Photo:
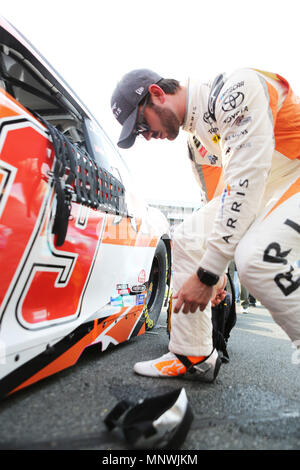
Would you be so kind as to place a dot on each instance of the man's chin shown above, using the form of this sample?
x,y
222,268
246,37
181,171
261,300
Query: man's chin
x,y
172,136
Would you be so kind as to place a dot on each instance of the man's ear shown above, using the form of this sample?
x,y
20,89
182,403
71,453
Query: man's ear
x,y
157,93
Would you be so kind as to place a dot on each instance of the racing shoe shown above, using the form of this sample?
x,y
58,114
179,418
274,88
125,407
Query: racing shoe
x,y
204,368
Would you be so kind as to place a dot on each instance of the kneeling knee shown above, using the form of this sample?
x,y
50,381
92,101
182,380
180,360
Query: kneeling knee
x,y
246,264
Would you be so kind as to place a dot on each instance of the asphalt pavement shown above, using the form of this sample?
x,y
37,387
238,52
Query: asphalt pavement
x,y
254,404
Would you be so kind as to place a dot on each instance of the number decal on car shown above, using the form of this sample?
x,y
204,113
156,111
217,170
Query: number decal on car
x,y
44,283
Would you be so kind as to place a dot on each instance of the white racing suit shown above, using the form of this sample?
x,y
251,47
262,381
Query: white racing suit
x,y
250,122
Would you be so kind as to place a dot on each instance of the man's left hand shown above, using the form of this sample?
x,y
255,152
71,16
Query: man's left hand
x,y
192,295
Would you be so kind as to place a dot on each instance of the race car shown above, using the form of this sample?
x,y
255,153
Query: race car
x,y
84,260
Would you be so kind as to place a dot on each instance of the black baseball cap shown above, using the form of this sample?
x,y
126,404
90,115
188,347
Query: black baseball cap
x,y
128,94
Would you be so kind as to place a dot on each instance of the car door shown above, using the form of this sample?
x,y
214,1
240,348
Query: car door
x,y
129,241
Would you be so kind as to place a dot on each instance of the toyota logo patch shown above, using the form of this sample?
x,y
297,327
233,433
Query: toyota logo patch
x,y
233,101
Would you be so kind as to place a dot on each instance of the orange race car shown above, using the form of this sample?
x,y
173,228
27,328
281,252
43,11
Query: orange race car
x,y
83,259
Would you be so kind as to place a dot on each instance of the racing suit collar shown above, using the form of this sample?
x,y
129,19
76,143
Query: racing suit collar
x,y
196,103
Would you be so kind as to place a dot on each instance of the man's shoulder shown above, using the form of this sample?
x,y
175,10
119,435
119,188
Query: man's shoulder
x,y
239,85
245,74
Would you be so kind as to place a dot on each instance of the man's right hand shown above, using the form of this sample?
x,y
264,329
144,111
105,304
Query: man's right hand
x,y
219,292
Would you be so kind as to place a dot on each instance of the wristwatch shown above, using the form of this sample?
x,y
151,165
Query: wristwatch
x,y
208,278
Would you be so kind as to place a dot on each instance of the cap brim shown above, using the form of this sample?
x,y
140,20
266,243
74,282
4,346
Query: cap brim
x,y
127,138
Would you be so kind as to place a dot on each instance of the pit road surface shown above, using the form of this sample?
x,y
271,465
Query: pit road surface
x,y
253,404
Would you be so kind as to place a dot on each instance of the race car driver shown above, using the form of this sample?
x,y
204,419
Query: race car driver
x,y
249,120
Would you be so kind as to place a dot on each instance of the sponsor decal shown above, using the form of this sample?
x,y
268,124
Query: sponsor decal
x,y
232,101
236,134
213,130
233,116
122,286
196,141
116,301
242,120
142,276
123,291
140,299
208,119
202,150
192,119
213,159
242,146
139,288
235,206
215,138
128,300
231,89
226,192
273,253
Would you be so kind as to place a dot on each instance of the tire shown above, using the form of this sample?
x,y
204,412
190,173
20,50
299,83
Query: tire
x,y
156,286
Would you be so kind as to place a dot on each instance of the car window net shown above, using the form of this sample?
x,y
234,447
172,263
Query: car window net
x,y
77,177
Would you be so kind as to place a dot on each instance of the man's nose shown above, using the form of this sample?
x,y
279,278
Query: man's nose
x,y
148,135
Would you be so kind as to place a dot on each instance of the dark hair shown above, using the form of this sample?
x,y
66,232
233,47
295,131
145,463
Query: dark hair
x,y
168,85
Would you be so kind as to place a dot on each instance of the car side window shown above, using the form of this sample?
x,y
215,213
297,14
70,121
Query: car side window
x,y
26,84
104,152
107,157
22,84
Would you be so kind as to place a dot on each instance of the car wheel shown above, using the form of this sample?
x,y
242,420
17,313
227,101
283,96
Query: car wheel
x,y
156,286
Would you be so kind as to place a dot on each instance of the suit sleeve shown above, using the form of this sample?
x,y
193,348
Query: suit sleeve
x,y
246,126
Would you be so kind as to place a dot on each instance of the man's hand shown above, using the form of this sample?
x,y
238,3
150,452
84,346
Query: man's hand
x,y
193,294
219,292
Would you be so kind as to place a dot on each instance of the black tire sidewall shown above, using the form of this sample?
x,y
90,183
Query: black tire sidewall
x,y
155,309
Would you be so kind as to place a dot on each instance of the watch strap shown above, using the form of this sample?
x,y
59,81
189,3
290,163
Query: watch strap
x,y
208,278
